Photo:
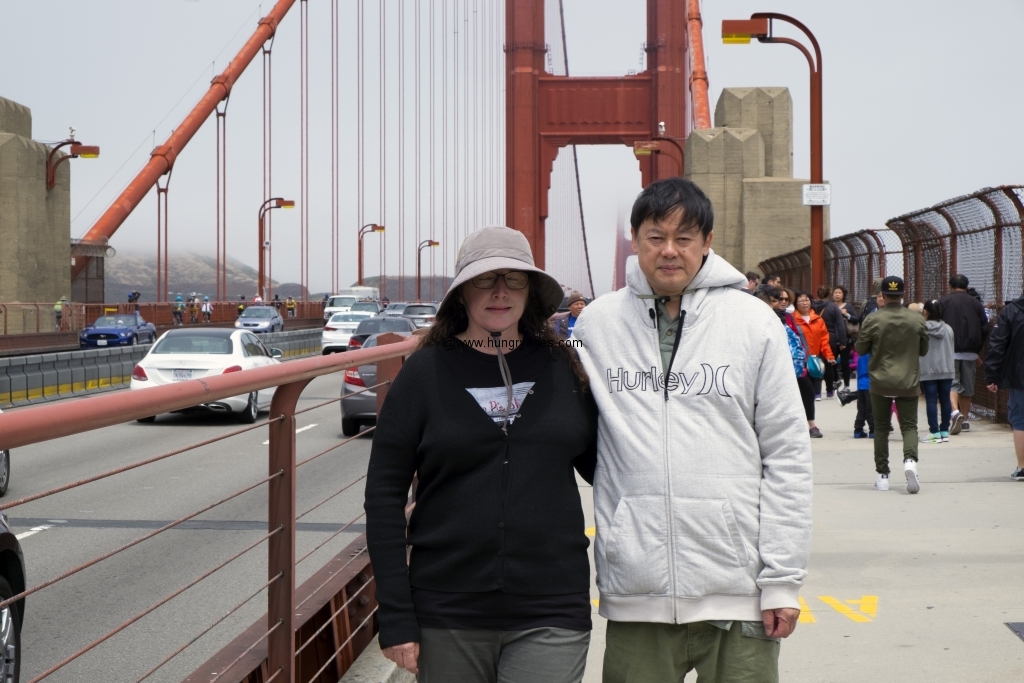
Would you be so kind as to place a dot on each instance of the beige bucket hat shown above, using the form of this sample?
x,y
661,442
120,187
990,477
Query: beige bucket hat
x,y
499,248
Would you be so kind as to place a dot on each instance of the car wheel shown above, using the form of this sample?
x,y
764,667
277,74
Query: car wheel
x,y
251,412
349,426
5,473
147,420
10,637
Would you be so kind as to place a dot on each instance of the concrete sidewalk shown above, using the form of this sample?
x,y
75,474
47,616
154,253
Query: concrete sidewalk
x,y
901,587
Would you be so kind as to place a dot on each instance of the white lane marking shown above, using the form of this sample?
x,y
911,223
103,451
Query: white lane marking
x,y
300,429
33,531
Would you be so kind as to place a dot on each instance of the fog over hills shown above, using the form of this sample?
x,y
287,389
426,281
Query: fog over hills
x,y
195,272
189,272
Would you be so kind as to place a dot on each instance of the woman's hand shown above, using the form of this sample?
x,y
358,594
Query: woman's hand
x,y
405,656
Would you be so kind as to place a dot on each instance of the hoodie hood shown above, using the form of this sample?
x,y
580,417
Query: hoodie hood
x,y
715,272
934,328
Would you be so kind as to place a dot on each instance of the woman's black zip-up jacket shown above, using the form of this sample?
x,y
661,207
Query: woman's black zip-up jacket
x,y
493,512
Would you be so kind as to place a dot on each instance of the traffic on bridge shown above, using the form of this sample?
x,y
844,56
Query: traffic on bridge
x,y
441,360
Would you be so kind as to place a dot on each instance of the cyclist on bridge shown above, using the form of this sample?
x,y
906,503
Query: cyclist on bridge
x,y
178,310
289,304
207,309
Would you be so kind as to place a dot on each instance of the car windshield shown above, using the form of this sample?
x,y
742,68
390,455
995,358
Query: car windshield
x,y
114,321
419,310
365,306
340,301
194,343
396,307
347,318
258,312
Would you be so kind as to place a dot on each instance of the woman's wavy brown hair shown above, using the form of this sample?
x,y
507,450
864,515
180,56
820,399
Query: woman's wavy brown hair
x,y
452,320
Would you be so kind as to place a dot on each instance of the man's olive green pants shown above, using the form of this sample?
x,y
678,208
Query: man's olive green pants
x,y
637,652
906,411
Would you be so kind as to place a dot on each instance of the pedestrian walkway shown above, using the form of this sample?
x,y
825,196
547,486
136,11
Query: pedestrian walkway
x,y
901,587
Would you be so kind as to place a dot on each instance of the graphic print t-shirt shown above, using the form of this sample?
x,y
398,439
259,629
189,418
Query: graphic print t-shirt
x,y
479,374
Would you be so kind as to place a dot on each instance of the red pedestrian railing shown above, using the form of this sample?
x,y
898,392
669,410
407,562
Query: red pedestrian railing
x,y
340,587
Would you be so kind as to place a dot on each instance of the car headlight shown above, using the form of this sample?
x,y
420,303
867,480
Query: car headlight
x,y
124,334
238,323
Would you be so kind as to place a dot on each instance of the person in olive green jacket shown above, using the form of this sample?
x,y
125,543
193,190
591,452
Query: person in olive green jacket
x,y
896,338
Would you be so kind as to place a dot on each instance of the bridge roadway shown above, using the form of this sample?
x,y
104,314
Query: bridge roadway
x,y
106,514
911,588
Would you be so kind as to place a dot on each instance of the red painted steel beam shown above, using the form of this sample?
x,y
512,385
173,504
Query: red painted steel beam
x,y
698,71
53,421
162,158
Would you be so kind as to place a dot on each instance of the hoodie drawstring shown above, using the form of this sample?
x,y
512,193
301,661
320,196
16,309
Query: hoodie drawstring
x,y
506,377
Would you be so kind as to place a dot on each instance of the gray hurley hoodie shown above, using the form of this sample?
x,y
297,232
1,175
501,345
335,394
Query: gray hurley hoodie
x,y
703,486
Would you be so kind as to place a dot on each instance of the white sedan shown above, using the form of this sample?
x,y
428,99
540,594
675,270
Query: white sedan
x,y
339,330
183,354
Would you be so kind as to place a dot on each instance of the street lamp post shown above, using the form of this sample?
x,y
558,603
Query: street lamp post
x,y
77,150
760,26
419,257
369,227
274,203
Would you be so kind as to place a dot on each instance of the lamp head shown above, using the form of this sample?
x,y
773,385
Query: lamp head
x,y
286,203
740,31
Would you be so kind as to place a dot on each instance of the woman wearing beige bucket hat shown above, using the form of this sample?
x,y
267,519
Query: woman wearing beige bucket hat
x,y
493,414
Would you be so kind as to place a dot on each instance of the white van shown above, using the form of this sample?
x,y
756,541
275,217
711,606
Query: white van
x,y
343,300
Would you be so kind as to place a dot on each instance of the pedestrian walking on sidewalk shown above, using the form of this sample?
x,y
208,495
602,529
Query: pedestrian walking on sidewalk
x,y
779,300
816,336
702,458
1004,369
895,338
966,315
937,373
492,414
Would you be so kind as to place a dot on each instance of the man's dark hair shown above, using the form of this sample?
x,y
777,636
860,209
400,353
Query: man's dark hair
x,y
959,281
665,197
752,276
773,292
769,277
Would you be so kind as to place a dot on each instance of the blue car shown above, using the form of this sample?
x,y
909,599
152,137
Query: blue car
x,y
117,330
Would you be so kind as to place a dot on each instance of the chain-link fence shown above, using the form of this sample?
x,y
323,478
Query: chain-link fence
x,y
977,235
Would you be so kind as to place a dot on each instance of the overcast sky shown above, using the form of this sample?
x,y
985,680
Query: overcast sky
x,y
921,104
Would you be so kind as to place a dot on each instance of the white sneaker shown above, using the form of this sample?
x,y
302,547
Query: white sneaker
x,y
882,482
910,469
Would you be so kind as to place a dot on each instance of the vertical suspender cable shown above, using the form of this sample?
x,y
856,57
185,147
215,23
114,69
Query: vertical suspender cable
x,y
360,115
455,126
303,145
465,102
476,118
222,194
575,159
444,136
334,146
383,142
417,121
401,150
431,132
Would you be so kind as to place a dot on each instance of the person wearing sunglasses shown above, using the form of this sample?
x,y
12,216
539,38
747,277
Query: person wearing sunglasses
x,y
492,415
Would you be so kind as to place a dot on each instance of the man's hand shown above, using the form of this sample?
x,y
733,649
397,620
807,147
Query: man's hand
x,y
780,623
994,388
407,655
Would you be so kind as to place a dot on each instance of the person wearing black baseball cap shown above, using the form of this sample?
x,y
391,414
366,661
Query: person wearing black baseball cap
x,y
895,337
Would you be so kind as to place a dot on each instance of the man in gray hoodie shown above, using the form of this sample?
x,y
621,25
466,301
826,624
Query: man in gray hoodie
x,y
703,486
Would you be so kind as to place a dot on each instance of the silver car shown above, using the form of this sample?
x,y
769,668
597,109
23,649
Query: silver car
x,y
361,408
394,309
422,315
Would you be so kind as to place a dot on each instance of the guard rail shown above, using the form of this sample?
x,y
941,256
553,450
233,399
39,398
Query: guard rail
x,y
294,631
51,376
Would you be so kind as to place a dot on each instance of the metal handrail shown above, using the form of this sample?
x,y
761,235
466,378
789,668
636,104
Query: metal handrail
x,y
46,422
